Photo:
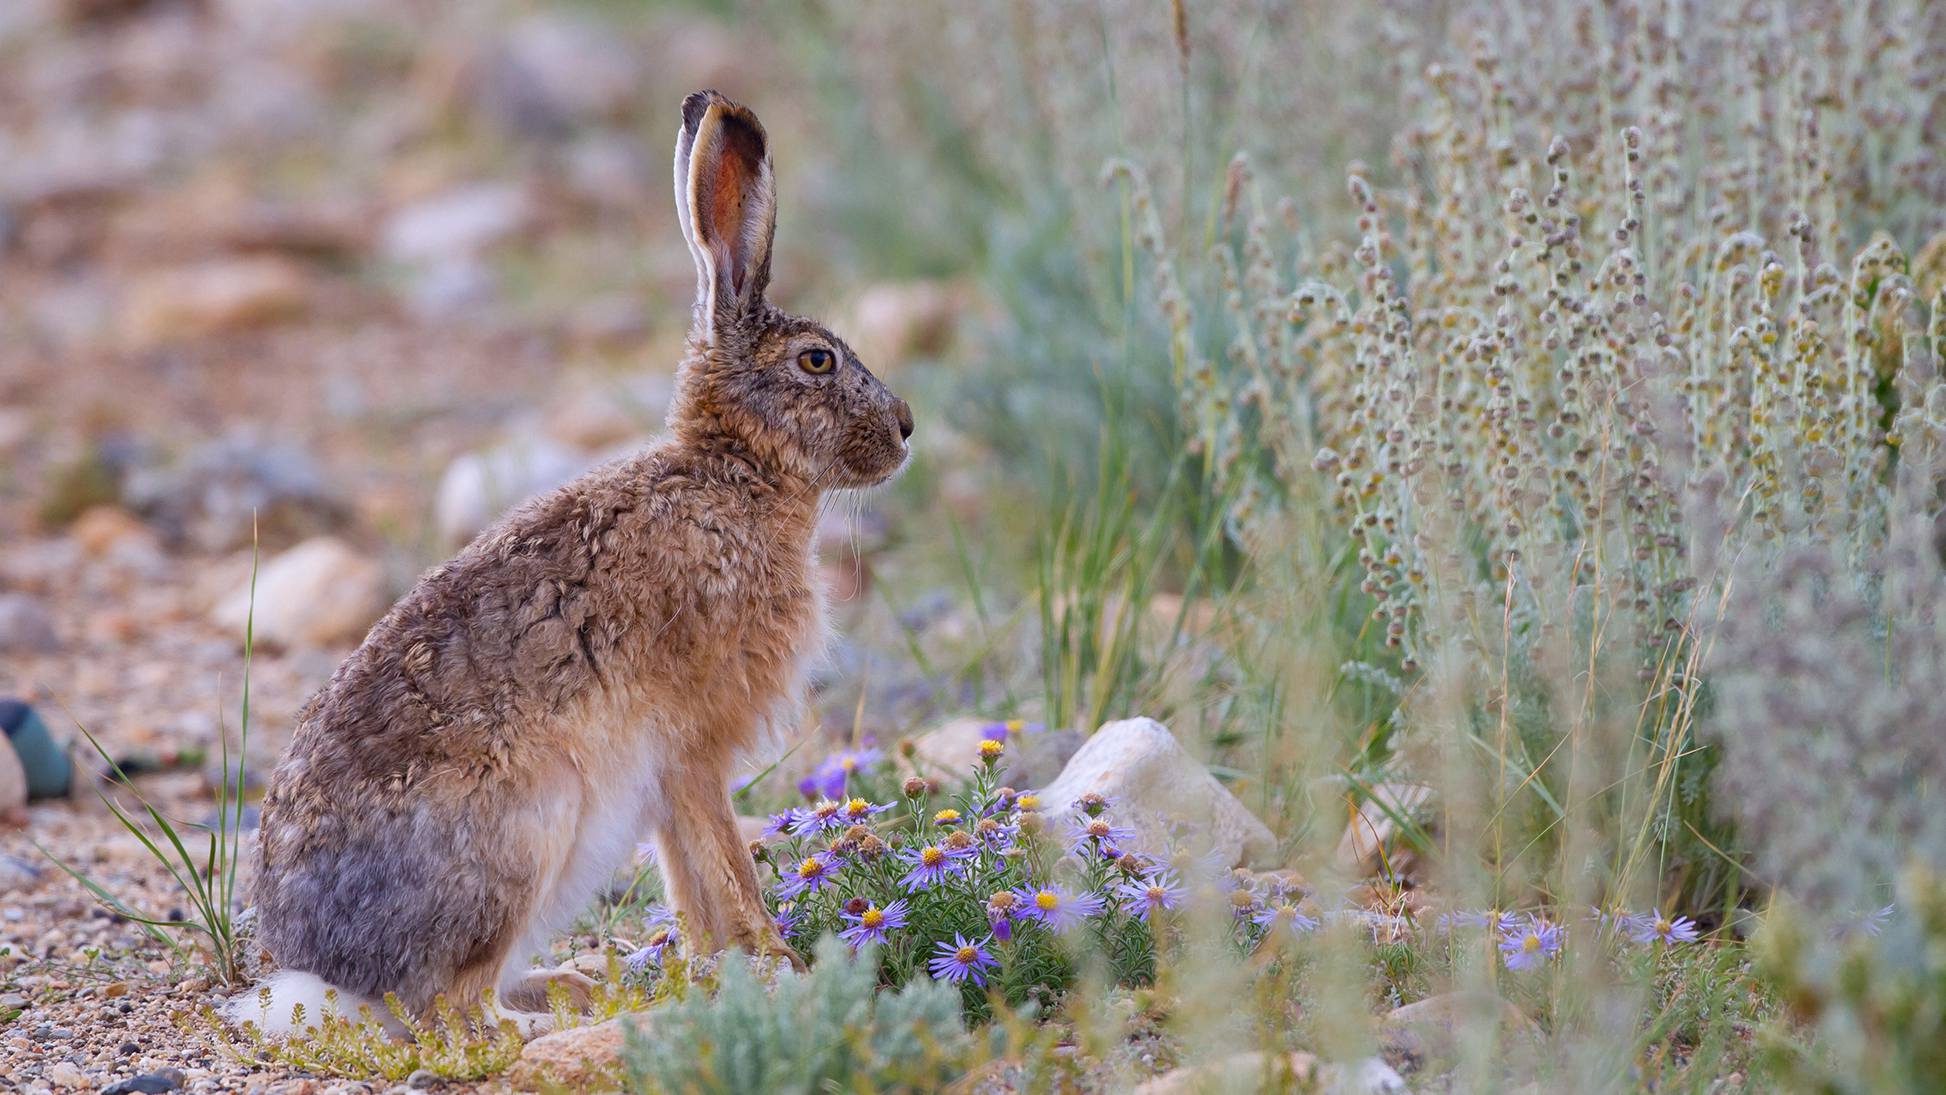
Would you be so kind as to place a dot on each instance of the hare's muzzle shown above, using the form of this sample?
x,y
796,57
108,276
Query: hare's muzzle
x,y
903,412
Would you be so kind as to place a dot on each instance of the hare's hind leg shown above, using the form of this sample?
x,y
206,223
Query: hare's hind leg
x,y
471,985
529,991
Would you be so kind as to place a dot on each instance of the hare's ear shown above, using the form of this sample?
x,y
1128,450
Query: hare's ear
x,y
727,204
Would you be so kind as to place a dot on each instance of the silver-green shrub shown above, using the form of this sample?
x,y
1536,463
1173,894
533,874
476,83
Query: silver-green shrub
x,y
806,1032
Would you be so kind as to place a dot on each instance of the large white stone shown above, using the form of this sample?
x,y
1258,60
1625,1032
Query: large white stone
x,y
1155,786
321,592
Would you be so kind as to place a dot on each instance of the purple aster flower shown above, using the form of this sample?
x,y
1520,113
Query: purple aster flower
x,y
1002,731
1658,929
1097,835
833,775
857,810
961,959
872,925
1871,924
786,919
778,825
660,940
821,815
658,916
1158,890
1526,945
1874,923
809,876
1283,914
1055,907
1002,908
996,834
932,864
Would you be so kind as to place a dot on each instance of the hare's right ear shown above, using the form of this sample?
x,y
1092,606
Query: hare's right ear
x,y
727,204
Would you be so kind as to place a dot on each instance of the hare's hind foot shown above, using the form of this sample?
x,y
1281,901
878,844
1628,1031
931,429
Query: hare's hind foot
x,y
530,990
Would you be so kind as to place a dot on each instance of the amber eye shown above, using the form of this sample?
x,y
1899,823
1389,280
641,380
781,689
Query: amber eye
x,y
817,362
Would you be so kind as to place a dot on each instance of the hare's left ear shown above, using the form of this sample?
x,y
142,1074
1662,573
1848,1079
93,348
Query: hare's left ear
x,y
727,204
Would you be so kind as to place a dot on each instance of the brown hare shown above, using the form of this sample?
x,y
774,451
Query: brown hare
x,y
588,670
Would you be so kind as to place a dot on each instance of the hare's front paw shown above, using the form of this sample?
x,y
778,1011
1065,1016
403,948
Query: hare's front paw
x,y
783,952
763,941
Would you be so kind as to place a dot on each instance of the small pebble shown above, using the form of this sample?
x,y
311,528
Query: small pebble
x,y
66,1074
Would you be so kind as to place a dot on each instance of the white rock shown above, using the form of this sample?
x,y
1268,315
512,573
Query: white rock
x,y
321,592
456,225
480,486
67,1074
1156,788
13,790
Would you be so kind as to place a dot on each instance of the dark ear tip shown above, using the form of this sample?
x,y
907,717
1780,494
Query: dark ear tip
x,y
695,104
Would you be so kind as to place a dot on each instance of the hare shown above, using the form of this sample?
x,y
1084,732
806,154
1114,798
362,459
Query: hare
x,y
590,668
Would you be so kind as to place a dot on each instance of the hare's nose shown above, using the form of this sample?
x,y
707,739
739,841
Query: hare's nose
x,y
904,413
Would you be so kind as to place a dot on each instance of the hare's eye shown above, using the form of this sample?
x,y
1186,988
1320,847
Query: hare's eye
x,y
817,362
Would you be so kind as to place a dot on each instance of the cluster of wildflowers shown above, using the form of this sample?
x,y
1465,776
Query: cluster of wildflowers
x,y
984,886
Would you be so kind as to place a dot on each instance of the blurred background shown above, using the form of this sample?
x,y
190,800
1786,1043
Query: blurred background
x,y
1389,397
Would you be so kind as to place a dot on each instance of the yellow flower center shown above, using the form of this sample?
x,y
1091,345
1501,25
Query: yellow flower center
x,y
946,817
1029,802
873,917
826,809
992,748
1531,943
1098,828
1047,900
1663,927
1157,893
1015,726
1002,900
858,806
810,868
660,937
966,955
932,856
848,763
1241,899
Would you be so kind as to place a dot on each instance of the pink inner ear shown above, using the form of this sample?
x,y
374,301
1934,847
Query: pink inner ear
x,y
726,220
738,155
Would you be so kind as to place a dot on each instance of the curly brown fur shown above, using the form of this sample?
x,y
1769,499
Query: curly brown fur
x,y
592,667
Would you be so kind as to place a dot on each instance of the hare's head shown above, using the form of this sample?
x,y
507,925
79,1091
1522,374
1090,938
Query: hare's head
x,y
780,387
